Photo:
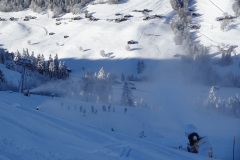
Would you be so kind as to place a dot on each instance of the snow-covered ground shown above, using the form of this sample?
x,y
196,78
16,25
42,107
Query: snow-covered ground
x,y
92,36
58,130
210,33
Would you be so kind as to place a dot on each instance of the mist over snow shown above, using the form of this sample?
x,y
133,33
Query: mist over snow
x,y
119,79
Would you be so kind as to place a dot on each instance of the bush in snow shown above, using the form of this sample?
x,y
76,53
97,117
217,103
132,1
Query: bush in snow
x,y
128,48
102,53
29,42
224,24
80,49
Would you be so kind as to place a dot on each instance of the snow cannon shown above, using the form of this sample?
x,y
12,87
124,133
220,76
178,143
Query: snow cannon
x,y
197,144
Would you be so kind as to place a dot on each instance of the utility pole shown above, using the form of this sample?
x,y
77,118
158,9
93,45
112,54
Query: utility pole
x,y
22,80
24,62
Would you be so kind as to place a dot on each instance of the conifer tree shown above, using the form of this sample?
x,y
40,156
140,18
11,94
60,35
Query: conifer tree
x,y
126,97
2,81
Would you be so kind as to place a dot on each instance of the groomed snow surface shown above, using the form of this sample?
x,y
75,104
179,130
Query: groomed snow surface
x,y
60,131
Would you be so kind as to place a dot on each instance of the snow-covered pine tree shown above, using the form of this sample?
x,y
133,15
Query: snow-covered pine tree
x,y
33,62
101,74
56,66
140,66
212,99
51,69
102,86
123,77
62,72
87,82
2,81
126,97
48,63
41,64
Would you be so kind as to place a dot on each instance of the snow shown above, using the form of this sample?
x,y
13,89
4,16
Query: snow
x,y
12,77
93,36
54,132
59,131
210,33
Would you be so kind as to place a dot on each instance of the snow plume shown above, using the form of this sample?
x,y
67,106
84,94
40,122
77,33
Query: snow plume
x,y
67,87
90,87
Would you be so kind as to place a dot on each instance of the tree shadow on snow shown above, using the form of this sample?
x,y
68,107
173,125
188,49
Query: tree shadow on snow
x,y
215,54
135,49
123,1
85,50
35,43
169,17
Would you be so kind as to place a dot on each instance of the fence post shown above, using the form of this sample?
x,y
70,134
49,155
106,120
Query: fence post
x,y
233,146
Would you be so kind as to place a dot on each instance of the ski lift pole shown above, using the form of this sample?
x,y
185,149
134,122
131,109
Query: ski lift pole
x,y
22,80
233,146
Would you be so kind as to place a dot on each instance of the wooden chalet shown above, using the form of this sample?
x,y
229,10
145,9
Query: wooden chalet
x,y
93,19
152,17
118,14
76,18
132,42
28,17
127,16
12,19
229,17
118,20
2,19
195,27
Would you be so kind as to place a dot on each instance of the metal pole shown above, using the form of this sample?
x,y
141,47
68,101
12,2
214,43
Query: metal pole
x,y
233,146
21,83
23,78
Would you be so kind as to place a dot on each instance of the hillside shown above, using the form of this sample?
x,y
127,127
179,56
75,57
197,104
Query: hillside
x,y
171,93
94,36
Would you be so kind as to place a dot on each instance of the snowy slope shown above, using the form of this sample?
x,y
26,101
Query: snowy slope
x,y
60,131
54,132
210,33
94,36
